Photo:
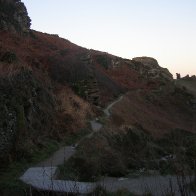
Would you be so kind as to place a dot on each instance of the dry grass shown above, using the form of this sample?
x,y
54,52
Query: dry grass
x,y
157,119
10,70
74,107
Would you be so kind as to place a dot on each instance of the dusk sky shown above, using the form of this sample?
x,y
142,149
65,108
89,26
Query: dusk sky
x,y
162,29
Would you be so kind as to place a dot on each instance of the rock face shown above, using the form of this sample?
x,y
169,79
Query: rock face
x,y
26,108
148,62
149,68
14,16
188,83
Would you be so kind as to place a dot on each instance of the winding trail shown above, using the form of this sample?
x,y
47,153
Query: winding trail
x,y
45,179
64,153
107,110
44,176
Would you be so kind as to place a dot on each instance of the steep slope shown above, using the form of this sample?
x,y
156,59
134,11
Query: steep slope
x,y
64,83
158,112
63,61
27,114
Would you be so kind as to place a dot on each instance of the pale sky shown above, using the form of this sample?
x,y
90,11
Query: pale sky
x,y
162,29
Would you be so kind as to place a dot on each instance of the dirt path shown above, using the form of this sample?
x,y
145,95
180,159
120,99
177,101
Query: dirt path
x,y
64,153
107,110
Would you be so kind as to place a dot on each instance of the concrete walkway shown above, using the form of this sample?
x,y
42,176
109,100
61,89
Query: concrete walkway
x,y
59,157
44,178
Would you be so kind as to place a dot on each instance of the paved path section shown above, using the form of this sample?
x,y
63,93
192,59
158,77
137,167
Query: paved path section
x,y
96,126
157,185
59,157
45,179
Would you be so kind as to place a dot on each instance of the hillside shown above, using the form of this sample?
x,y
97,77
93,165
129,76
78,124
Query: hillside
x,y
50,88
95,79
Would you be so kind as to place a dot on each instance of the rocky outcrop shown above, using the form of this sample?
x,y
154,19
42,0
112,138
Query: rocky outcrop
x,y
148,62
150,69
27,114
14,16
188,83
92,88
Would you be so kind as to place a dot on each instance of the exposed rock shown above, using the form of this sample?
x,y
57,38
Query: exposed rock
x,y
14,16
148,62
150,69
92,88
27,114
187,83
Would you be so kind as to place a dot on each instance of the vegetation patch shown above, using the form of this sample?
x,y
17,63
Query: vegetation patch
x,y
9,174
116,155
72,138
103,60
80,88
8,57
64,52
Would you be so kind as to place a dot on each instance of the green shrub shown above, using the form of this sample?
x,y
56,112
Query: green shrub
x,y
103,60
8,57
80,88
64,52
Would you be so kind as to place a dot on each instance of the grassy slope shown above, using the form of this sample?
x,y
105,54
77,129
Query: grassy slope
x,y
158,114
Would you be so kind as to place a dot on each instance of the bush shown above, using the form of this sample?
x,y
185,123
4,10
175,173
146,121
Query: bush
x,y
64,52
8,57
103,60
90,163
80,88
